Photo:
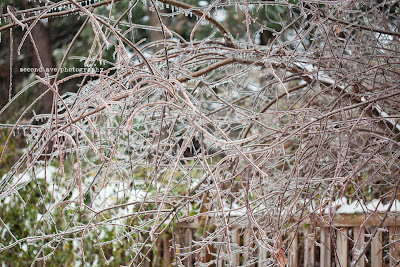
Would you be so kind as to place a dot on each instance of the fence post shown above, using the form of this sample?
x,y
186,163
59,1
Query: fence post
x,y
167,257
309,247
293,252
248,243
376,249
394,232
326,247
359,233
262,256
155,261
189,240
220,253
342,247
236,240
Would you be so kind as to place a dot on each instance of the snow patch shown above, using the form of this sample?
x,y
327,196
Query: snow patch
x,y
202,3
343,207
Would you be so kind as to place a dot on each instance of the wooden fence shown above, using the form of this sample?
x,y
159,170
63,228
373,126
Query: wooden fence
x,y
315,242
344,239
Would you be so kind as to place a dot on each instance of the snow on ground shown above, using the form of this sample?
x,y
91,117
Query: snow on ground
x,y
115,191
112,194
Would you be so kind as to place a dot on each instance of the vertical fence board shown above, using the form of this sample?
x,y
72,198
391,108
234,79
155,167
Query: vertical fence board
x,y
167,255
376,250
189,237
248,256
359,233
293,252
309,248
394,232
326,247
157,257
245,245
220,252
262,253
147,262
342,248
236,241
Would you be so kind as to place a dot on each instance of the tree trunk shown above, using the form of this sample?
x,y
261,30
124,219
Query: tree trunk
x,y
41,37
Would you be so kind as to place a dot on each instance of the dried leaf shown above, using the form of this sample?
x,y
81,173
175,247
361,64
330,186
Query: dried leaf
x,y
280,257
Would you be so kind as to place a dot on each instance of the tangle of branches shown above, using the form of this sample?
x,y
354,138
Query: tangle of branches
x,y
222,130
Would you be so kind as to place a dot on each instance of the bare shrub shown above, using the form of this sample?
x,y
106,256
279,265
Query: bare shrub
x,y
221,130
